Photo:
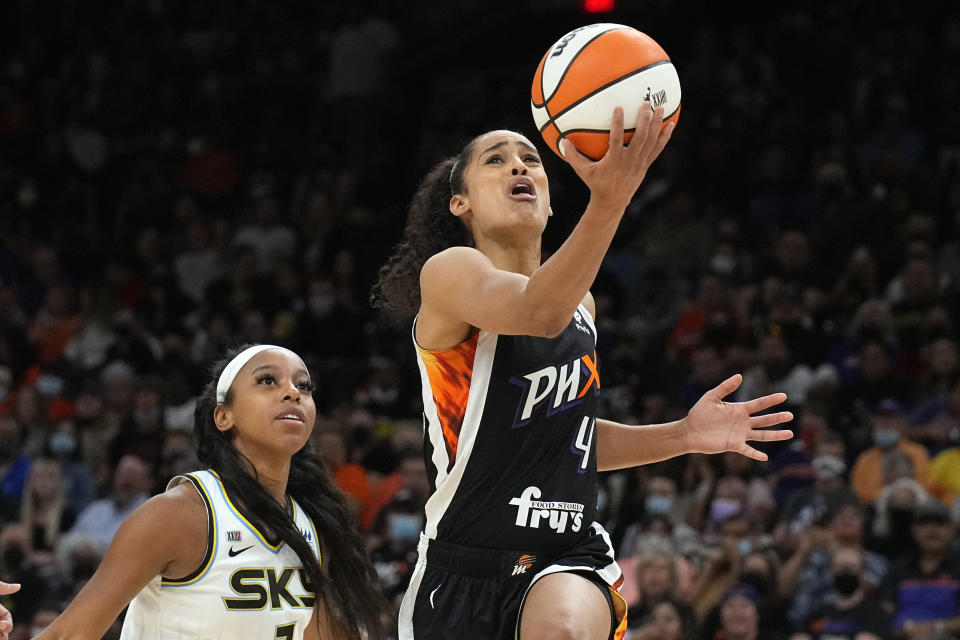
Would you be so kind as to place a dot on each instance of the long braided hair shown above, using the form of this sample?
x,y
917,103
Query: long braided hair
x,y
349,589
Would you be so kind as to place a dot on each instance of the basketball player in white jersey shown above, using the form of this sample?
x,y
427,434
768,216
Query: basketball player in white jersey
x,y
506,348
259,545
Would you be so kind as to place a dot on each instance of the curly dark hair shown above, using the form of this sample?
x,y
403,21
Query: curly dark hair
x,y
430,229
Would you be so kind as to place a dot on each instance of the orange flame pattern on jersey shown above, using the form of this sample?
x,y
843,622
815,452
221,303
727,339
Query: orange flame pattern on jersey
x,y
450,371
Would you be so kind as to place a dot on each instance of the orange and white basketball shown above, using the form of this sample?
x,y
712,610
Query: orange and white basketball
x,y
588,72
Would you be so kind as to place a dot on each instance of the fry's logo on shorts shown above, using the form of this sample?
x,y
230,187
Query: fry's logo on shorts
x,y
564,387
530,512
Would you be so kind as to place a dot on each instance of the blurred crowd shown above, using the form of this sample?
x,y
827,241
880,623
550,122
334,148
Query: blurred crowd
x,y
179,177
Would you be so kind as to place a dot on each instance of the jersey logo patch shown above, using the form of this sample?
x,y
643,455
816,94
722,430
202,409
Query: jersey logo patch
x,y
564,386
232,553
557,514
233,536
524,562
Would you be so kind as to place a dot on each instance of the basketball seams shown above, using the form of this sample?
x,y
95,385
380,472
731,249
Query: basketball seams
x,y
594,92
566,69
666,117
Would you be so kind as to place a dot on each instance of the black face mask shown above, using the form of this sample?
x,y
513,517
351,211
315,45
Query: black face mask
x,y
13,557
900,520
846,583
757,580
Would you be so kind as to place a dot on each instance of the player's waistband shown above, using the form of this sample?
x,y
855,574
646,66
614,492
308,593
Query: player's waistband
x,y
482,562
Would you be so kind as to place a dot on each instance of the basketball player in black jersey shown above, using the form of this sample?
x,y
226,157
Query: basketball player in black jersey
x,y
506,351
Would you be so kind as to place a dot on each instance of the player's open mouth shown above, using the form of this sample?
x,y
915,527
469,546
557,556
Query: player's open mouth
x,y
291,415
522,188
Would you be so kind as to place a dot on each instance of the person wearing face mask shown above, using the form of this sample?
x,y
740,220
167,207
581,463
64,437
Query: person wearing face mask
x,y
889,423
810,588
398,526
659,508
848,614
63,446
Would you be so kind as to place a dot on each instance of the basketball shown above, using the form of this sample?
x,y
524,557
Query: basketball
x,y
591,70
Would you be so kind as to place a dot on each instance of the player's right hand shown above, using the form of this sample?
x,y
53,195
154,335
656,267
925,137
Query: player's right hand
x,y
615,178
6,620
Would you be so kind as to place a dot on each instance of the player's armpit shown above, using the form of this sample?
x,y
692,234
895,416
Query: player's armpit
x,y
155,536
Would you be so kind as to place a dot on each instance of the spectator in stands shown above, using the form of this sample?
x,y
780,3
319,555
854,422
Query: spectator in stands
x,y
398,529
889,425
16,567
807,575
44,511
848,612
808,506
14,466
660,508
892,515
739,618
656,578
668,619
349,476
102,518
922,593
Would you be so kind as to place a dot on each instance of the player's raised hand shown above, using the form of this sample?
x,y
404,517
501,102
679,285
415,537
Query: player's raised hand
x,y
615,178
715,426
6,620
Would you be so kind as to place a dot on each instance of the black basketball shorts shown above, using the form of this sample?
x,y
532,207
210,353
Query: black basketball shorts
x,y
459,592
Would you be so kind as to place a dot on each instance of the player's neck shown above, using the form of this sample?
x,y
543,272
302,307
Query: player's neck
x,y
518,257
270,471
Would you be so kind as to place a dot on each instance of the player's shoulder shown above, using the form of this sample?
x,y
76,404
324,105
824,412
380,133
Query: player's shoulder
x,y
454,257
179,506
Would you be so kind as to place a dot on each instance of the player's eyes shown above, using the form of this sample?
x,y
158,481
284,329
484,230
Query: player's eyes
x,y
306,385
494,159
532,158
267,378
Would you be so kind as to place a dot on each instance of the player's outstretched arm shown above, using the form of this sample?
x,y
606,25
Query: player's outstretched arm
x,y
461,284
160,535
711,426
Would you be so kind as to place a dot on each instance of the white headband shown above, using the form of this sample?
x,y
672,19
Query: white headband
x,y
233,368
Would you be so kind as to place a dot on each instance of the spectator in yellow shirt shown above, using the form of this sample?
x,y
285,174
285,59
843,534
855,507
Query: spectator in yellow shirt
x,y
889,424
943,478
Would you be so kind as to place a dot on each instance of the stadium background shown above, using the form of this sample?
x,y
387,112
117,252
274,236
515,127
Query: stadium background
x,y
178,177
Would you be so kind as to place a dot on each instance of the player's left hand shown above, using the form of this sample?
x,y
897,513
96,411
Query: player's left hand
x,y
715,426
6,620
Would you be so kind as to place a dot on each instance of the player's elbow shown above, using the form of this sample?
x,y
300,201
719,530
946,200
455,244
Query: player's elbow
x,y
551,325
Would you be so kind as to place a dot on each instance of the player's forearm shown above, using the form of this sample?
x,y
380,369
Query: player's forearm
x,y
561,283
620,445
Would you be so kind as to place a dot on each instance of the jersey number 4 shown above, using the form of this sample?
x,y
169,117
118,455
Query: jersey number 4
x,y
581,444
285,631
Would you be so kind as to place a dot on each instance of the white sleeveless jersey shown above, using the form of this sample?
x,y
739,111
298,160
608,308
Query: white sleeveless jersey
x,y
246,587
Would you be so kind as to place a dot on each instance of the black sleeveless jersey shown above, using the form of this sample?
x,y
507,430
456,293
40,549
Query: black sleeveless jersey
x,y
510,437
